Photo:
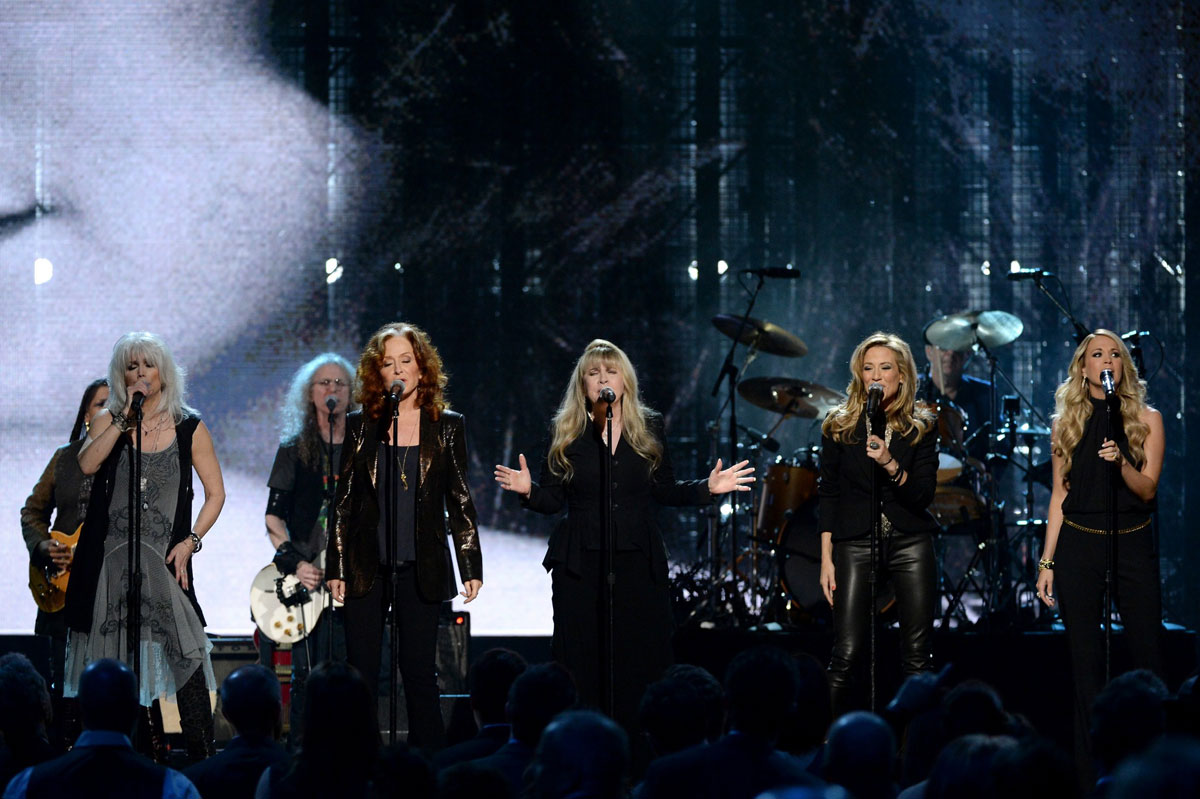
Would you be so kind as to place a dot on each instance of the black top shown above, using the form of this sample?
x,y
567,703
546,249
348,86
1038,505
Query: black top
x,y
1088,486
298,497
635,492
844,489
405,519
61,491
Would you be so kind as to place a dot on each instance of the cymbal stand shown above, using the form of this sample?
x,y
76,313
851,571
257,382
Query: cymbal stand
x,y
731,374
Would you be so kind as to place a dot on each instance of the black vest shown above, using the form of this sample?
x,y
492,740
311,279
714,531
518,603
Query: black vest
x,y
89,553
98,772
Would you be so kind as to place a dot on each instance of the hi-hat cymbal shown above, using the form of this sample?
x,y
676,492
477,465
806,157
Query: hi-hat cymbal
x,y
793,397
961,331
763,336
1024,429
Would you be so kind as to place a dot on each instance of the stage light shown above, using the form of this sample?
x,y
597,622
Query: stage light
x,y
43,270
693,271
333,271
1014,266
722,267
986,267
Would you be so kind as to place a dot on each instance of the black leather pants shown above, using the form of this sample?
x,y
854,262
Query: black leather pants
x,y
908,560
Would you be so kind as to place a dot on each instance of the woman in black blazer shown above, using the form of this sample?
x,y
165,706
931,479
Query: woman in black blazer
x,y
430,458
642,479
898,453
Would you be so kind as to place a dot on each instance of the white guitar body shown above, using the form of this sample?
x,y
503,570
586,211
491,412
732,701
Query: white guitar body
x,y
284,610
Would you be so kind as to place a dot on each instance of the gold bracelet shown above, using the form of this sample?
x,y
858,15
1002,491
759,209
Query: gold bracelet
x,y
1045,563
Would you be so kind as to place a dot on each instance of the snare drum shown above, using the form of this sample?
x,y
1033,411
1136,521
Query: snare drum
x,y
953,506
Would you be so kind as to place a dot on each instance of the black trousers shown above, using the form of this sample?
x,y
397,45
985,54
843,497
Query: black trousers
x,y
642,623
1079,583
416,653
907,558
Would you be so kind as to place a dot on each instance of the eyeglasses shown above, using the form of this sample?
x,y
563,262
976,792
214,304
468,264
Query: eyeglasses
x,y
333,381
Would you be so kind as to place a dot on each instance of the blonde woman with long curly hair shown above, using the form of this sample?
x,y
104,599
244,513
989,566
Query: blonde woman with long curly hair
x,y
1086,450
428,455
642,477
892,457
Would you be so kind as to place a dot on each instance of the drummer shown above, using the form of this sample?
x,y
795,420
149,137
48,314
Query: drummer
x,y
946,381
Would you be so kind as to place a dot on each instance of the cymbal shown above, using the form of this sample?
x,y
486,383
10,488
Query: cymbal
x,y
793,397
961,331
763,336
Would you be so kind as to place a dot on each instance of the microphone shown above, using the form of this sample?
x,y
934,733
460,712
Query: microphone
x,y
760,438
874,397
608,395
1106,380
1029,274
785,272
138,399
331,403
395,391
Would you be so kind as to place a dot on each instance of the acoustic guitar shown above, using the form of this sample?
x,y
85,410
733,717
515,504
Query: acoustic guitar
x,y
49,585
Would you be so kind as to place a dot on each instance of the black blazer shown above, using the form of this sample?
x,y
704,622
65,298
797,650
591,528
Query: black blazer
x,y
442,496
636,492
845,485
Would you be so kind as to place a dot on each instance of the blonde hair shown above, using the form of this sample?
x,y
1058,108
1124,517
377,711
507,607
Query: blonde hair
x,y
574,412
171,376
1073,408
903,414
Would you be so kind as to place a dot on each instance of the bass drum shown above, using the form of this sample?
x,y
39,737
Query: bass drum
x,y
798,552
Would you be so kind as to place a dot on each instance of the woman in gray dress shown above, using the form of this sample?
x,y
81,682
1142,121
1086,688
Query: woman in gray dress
x,y
173,647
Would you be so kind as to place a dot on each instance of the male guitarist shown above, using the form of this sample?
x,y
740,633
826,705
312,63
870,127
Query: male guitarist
x,y
301,489
62,492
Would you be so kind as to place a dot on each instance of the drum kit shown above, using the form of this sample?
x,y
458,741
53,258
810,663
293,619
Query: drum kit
x,y
982,568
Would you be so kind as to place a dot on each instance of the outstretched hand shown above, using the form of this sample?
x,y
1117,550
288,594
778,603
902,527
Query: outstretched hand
x,y
518,480
735,478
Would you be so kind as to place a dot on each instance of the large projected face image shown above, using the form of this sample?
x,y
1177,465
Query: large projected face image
x,y
157,173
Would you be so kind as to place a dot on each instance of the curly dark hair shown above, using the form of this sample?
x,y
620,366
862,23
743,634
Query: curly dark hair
x,y
24,699
372,393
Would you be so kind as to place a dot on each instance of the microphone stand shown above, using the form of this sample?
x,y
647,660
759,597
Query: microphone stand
x,y
330,498
133,593
1113,409
610,582
872,577
392,550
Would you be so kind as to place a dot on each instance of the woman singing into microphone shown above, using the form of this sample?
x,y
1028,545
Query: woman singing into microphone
x,y
1085,451
641,477
430,456
893,458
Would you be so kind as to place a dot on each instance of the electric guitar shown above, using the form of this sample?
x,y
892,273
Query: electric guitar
x,y
49,585
284,610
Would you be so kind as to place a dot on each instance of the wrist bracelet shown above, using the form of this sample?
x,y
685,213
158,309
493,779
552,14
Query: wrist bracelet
x,y
888,461
895,478
120,421
1045,563
196,543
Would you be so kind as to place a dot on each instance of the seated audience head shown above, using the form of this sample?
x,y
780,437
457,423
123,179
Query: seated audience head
x,y
1035,768
1127,716
108,696
972,707
24,700
251,700
805,729
1169,769
682,709
965,767
341,724
471,780
1183,710
860,755
399,771
760,691
537,696
490,679
582,753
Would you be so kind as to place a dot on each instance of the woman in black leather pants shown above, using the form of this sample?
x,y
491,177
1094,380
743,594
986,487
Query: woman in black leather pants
x,y
898,455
